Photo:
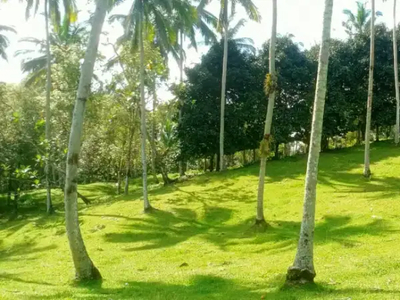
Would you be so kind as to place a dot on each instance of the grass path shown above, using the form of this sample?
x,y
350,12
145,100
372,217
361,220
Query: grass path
x,y
199,243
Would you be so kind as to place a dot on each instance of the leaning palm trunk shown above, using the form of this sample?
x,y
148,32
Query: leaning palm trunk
x,y
396,76
223,87
143,131
367,170
49,205
84,267
302,270
270,89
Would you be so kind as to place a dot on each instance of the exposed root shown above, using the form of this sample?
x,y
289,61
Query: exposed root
x,y
260,225
297,276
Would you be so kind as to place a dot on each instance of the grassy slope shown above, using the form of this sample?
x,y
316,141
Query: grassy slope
x,y
205,223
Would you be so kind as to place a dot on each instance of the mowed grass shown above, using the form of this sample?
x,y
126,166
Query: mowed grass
x,y
200,244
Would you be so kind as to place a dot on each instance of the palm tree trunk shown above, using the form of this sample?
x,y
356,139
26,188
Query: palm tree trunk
x,y
84,267
268,120
49,204
302,270
367,170
153,138
128,161
223,88
396,76
119,176
181,171
147,206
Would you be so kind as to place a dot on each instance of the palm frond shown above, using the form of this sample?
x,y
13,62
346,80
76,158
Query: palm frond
x,y
7,28
251,9
235,29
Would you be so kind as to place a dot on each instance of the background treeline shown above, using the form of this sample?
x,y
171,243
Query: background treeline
x,y
186,128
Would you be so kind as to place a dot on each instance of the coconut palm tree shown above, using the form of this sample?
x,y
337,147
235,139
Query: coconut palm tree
x,y
152,20
4,42
51,11
270,86
223,27
303,270
84,267
204,22
367,170
359,22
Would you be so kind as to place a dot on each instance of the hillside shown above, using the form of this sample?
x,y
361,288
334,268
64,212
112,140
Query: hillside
x,y
199,244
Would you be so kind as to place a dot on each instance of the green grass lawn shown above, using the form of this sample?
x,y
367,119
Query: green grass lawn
x,y
199,244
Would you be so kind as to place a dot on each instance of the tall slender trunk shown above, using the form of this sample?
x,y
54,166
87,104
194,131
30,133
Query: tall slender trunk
x,y
244,157
396,76
128,161
223,88
181,170
84,267
143,131
268,120
153,138
367,170
119,176
303,270
49,204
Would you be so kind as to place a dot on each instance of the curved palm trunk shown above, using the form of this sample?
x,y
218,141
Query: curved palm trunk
x,y
84,266
143,131
223,88
268,120
302,270
367,170
49,204
396,76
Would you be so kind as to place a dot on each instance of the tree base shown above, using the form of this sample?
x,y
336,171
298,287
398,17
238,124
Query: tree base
x,y
93,276
149,209
51,210
297,276
367,174
260,225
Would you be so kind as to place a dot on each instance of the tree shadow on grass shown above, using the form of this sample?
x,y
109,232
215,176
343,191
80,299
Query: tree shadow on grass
x,y
16,278
210,287
350,183
23,251
166,229
283,235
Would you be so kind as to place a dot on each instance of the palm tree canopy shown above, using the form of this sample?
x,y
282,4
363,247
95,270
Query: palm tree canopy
x,y
359,22
36,66
4,42
156,18
70,12
248,5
